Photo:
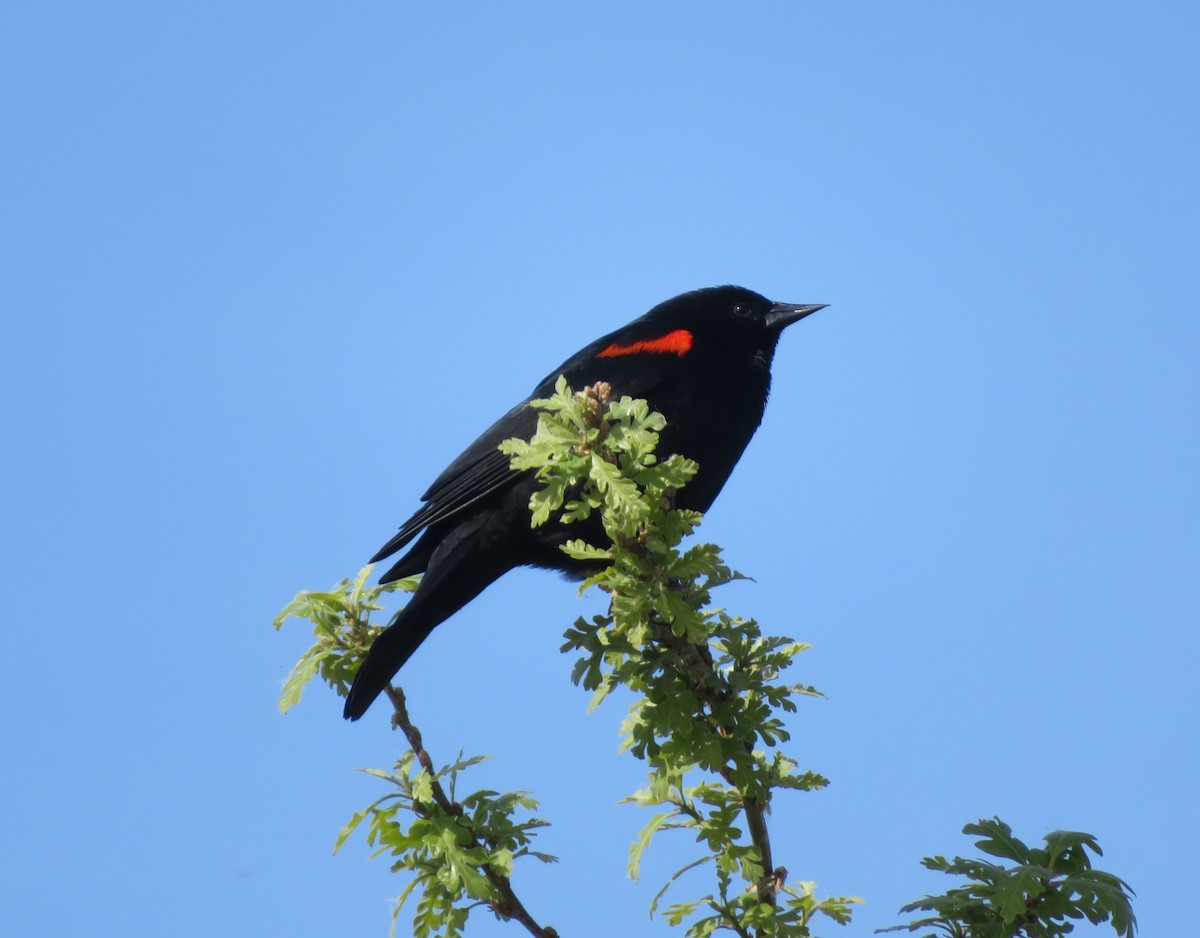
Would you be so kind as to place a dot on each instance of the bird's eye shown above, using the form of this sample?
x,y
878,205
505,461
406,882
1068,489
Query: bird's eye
x,y
743,310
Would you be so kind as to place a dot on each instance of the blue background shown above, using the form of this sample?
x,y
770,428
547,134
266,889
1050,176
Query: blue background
x,y
268,267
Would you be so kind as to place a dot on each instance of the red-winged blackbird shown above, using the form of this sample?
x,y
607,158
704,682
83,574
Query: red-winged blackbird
x,y
702,359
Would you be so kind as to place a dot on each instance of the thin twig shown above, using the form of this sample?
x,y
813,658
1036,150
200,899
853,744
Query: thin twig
x,y
508,906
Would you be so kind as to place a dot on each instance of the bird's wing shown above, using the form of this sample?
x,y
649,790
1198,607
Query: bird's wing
x,y
478,471
635,360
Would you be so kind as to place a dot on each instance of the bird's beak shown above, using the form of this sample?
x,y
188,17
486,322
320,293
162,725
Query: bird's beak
x,y
784,314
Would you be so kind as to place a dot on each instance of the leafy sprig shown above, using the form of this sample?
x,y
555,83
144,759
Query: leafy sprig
x,y
459,852
709,689
1041,894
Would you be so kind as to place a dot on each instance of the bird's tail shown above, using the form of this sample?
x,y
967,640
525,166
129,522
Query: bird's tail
x,y
456,574
390,650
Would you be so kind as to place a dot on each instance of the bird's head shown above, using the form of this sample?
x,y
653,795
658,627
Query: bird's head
x,y
730,313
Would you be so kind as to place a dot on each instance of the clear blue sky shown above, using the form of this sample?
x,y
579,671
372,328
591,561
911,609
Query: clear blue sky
x,y
255,254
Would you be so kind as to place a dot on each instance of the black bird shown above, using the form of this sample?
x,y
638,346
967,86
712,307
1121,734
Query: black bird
x,y
702,359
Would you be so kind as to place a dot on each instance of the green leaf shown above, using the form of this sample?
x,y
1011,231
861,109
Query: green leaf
x,y
301,674
1014,892
674,920
581,550
998,840
349,828
464,867
643,841
422,788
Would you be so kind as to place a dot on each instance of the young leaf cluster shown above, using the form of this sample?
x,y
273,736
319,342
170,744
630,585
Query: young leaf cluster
x,y
342,627
460,853
1041,893
709,687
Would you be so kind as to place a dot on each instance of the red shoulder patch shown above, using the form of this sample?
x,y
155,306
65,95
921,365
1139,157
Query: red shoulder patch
x,y
678,343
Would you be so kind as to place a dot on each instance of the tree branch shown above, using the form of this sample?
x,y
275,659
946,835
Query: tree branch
x,y
508,906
